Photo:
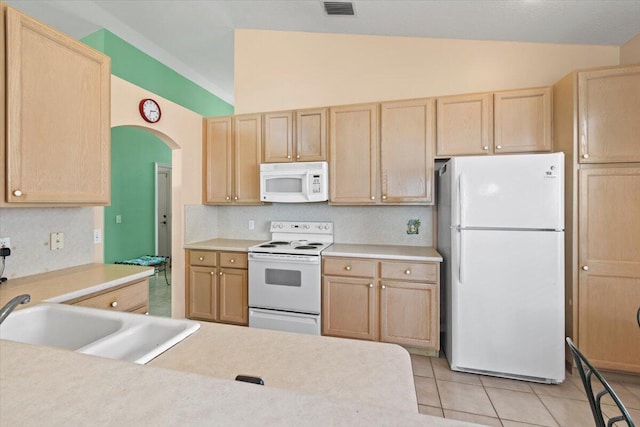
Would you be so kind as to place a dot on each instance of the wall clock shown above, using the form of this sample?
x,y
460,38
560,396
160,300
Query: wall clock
x,y
150,110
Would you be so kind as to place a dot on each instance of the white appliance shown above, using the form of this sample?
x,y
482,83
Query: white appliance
x,y
501,234
296,182
285,277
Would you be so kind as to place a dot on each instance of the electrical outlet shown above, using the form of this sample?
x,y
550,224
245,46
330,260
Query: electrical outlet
x,y
56,241
5,242
97,235
252,224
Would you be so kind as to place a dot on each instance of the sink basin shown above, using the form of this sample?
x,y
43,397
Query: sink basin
x,y
112,334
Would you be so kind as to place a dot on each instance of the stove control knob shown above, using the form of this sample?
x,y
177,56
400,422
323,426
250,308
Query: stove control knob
x,y
326,226
306,226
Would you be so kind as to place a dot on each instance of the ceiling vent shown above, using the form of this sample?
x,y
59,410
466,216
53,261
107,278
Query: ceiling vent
x,y
338,8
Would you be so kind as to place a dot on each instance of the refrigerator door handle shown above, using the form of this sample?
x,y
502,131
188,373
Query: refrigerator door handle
x,y
461,200
460,259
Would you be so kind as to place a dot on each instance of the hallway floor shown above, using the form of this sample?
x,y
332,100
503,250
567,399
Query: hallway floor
x,y
509,403
160,295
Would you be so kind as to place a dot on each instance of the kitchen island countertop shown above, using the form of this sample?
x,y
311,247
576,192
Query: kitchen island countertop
x,y
394,252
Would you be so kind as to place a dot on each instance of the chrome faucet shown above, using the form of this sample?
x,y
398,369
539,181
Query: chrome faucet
x,y
11,305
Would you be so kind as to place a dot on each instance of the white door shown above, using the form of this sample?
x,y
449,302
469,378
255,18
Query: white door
x,y
508,302
163,210
514,191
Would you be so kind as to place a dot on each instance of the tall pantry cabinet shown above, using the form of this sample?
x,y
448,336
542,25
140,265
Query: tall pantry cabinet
x,y
597,125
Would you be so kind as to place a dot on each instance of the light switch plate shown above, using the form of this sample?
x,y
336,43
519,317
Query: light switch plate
x,y
97,235
56,241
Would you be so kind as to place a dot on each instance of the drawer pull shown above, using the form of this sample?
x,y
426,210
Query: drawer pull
x,y
289,156
228,198
220,273
485,148
201,258
384,287
17,193
213,273
373,197
371,285
499,147
585,156
585,267
348,268
232,260
114,304
407,272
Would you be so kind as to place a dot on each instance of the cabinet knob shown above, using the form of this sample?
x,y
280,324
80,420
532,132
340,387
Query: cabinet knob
x,y
585,267
585,156
235,198
371,285
289,156
485,148
114,304
201,258
228,198
213,273
220,273
407,272
383,287
298,156
373,197
232,260
348,268
498,147
17,193
384,197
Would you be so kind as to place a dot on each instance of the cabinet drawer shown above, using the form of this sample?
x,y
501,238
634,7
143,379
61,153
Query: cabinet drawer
x,y
127,298
233,260
349,267
204,258
427,272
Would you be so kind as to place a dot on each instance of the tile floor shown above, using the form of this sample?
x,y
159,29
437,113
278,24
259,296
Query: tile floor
x,y
509,403
160,295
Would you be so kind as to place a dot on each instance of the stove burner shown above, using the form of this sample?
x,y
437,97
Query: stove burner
x,y
278,243
305,247
267,246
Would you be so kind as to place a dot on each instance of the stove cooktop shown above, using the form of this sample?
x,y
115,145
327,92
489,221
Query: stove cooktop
x,y
306,238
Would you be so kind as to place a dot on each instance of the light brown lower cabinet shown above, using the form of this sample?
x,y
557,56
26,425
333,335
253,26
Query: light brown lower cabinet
x,y
217,286
380,300
132,297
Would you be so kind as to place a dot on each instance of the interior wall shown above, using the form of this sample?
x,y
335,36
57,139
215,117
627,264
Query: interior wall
x,y
134,153
630,51
277,70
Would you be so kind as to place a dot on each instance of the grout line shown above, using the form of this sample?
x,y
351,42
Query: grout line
x,y
437,388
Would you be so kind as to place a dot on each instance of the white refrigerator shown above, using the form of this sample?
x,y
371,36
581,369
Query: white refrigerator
x,y
501,234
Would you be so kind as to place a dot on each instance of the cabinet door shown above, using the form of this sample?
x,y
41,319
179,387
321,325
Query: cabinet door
x,y
464,125
409,314
58,117
353,154
609,261
278,137
407,139
522,121
248,155
234,300
608,115
349,308
311,135
218,160
203,293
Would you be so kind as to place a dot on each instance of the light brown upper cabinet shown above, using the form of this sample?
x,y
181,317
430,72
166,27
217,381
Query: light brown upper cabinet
x,y
231,159
609,272
295,136
609,115
353,154
515,121
464,125
57,126
407,135
522,121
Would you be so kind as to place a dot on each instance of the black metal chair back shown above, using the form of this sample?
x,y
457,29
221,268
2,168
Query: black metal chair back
x,y
587,373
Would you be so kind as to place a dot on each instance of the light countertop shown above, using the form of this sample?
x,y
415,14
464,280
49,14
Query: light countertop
x,y
237,245
45,386
407,253
69,283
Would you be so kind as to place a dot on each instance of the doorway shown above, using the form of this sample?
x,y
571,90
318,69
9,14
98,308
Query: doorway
x,y
163,210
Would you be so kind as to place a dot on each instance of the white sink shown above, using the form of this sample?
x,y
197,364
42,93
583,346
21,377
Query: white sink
x,y
112,334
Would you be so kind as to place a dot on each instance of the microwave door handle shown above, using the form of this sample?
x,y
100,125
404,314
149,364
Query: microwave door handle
x,y
308,189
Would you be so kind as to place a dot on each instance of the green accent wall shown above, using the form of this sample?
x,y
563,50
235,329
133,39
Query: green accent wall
x,y
135,66
134,153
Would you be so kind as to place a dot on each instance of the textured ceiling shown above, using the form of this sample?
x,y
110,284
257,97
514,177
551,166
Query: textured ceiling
x,y
195,38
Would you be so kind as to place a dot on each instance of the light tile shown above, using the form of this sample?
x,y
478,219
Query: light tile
x,y
472,418
506,384
568,412
421,365
633,388
441,371
509,423
629,399
565,390
465,398
613,411
430,410
519,406
427,391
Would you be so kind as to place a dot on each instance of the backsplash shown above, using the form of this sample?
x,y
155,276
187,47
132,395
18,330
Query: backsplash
x,y
384,225
29,229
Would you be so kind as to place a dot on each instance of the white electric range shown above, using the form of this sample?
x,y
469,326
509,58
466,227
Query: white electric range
x,y
285,277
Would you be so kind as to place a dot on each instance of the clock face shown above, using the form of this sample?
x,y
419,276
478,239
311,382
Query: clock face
x,y
150,110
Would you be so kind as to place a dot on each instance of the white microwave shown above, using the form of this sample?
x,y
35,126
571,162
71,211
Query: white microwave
x,y
297,182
